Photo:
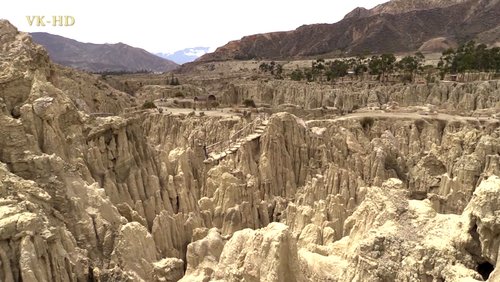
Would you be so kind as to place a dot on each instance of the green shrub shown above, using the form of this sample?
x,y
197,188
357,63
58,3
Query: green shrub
x,y
249,103
420,124
297,75
149,105
367,122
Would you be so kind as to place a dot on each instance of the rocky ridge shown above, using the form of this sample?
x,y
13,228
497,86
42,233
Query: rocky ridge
x,y
396,26
92,57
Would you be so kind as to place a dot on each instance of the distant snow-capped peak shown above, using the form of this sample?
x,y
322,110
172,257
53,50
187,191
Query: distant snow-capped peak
x,y
186,55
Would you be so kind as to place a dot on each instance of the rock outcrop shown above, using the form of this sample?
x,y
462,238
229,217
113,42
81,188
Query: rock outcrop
x,y
388,238
452,97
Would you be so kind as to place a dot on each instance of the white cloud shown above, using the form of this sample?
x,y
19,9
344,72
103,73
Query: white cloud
x,y
195,52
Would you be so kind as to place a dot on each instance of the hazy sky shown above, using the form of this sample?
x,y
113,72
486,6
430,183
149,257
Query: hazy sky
x,y
170,25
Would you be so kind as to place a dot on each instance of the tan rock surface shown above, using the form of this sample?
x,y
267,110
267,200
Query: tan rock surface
x,y
363,197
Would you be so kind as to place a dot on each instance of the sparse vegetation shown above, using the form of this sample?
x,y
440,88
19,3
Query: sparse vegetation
x,y
173,80
249,103
419,124
297,75
336,69
410,65
367,123
469,57
149,105
382,66
429,73
274,68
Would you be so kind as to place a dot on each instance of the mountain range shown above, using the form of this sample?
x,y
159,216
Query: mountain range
x,y
186,55
100,57
395,26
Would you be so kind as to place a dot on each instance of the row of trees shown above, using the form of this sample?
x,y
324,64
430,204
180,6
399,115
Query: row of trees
x,y
382,66
469,57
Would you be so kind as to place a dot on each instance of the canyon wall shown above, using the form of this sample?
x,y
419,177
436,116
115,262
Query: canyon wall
x,y
450,96
130,198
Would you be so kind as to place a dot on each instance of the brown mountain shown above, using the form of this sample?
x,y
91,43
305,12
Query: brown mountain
x,y
396,26
404,6
100,57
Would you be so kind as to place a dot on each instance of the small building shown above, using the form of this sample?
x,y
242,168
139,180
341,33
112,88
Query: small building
x,y
206,101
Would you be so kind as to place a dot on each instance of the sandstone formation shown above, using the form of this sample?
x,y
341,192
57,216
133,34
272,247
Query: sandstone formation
x,y
128,196
447,95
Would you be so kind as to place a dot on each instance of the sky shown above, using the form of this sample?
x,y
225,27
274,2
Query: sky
x,y
169,25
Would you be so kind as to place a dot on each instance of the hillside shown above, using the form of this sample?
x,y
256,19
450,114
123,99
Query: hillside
x,y
100,57
396,26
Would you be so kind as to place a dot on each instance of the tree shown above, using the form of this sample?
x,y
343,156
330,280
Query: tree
x,y
358,65
465,57
469,57
317,69
272,67
382,65
264,67
249,103
336,69
272,64
410,65
388,61
279,71
495,55
309,75
447,62
484,61
297,75
318,65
